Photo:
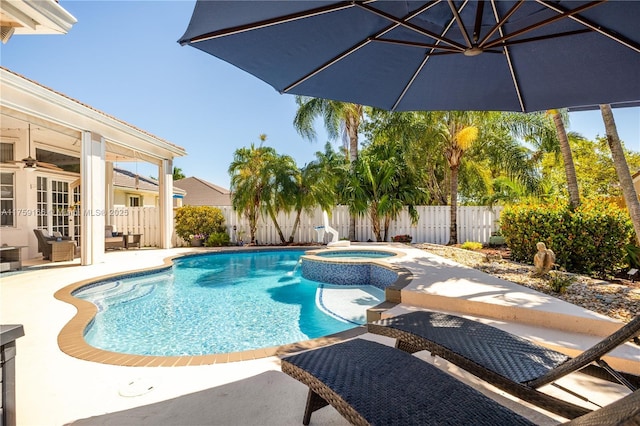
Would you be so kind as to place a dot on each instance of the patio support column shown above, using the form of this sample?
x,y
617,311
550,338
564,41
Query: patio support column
x,y
92,186
108,192
166,203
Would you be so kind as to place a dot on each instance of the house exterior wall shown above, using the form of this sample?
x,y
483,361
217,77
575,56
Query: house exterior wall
x,y
121,198
26,210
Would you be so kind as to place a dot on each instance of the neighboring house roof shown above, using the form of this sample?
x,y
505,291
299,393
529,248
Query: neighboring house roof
x,y
636,176
126,179
203,193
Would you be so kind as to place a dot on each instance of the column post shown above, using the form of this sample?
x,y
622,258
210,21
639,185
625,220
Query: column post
x,y
92,197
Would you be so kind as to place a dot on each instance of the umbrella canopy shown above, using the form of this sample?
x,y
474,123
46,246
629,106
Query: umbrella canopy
x,y
432,55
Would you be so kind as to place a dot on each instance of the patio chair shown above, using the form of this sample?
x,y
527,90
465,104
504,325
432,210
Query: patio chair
x,y
370,383
511,363
43,238
111,240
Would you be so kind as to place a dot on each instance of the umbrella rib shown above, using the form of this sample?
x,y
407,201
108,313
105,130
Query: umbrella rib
x,y
478,24
516,85
422,65
499,25
404,22
329,63
540,24
269,22
417,44
546,37
355,47
458,19
597,28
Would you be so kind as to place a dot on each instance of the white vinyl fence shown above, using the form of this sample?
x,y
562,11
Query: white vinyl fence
x,y
474,224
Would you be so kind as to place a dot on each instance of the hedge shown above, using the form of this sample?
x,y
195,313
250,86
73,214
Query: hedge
x,y
199,220
590,239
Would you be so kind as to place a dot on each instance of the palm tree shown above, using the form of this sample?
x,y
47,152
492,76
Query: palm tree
x,y
549,136
622,169
315,186
382,187
280,174
458,131
569,167
337,116
177,173
250,181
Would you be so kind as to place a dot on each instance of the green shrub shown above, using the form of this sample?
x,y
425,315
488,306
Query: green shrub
x,y
589,239
632,256
560,282
193,220
218,239
471,245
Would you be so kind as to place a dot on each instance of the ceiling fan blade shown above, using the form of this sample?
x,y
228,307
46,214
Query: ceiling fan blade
x,y
48,165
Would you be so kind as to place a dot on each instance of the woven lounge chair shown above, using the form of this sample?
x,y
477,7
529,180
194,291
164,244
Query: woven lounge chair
x,y
44,238
113,240
372,384
511,363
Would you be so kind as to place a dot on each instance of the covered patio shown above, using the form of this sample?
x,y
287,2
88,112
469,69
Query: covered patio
x,y
57,165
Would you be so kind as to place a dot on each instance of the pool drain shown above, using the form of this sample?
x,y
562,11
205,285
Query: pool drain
x,y
136,387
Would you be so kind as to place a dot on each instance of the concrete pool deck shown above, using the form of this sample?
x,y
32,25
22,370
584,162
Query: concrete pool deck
x,y
54,388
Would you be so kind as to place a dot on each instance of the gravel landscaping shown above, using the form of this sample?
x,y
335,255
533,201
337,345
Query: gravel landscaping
x,y
619,298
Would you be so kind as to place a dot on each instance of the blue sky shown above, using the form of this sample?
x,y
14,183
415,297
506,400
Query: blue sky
x,y
122,57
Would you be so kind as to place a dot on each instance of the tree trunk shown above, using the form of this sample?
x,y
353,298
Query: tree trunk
x,y
569,168
453,230
375,222
351,123
296,224
387,224
274,219
622,169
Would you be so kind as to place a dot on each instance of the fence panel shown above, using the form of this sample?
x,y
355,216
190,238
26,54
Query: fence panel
x,y
474,224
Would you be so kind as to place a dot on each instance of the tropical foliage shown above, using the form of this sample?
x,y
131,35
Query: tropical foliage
x,y
198,220
590,238
389,162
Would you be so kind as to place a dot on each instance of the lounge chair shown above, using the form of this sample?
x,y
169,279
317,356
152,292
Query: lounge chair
x,y
43,238
511,363
370,383
113,240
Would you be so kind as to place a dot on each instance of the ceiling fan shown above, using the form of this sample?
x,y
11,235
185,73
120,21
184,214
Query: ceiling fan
x,y
31,163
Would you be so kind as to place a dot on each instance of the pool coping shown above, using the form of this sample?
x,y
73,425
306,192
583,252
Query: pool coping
x,y
71,339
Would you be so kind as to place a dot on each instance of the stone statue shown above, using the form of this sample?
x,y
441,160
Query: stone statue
x,y
543,260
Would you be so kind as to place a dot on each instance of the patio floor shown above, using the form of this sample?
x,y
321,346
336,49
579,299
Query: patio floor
x,y
53,388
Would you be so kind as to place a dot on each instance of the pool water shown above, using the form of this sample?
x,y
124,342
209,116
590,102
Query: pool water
x,y
216,303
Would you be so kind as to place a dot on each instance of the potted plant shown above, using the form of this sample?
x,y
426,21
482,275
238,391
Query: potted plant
x,y
197,240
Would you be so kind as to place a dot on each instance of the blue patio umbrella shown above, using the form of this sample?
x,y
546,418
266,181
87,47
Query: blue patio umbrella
x,y
432,55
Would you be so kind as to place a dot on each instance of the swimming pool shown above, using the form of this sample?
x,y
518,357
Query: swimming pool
x,y
219,303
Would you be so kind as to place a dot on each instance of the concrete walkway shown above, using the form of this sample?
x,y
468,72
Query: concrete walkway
x,y
55,389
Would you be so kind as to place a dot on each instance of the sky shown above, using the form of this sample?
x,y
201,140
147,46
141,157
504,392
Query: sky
x,y
122,57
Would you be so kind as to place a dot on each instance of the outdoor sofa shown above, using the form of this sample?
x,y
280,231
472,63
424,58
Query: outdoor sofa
x,y
509,362
369,383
